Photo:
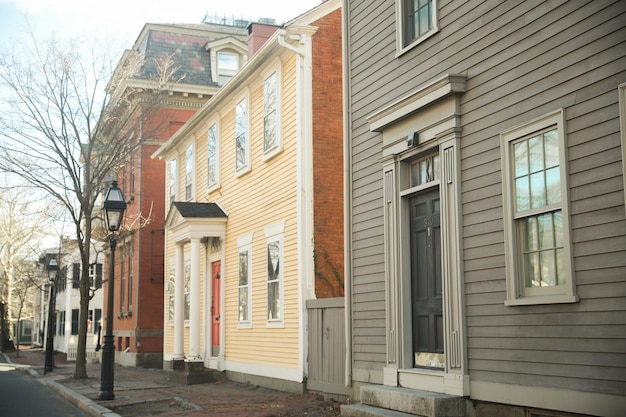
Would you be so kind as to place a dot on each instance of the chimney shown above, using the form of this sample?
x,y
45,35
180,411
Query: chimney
x,y
258,33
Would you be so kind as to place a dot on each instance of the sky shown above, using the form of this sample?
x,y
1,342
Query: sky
x,y
123,20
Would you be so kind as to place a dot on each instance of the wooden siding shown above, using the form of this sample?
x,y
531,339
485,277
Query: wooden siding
x,y
522,60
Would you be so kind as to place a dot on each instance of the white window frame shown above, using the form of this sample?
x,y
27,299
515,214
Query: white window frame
x,y
517,294
245,246
212,185
402,45
173,189
273,234
225,74
622,120
190,169
245,166
277,147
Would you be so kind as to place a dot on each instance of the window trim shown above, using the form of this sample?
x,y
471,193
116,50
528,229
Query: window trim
x,y
192,174
239,171
401,48
215,185
245,245
622,123
514,288
278,146
275,233
173,183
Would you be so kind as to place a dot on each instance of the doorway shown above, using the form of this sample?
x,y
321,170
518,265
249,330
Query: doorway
x,y
215,307
426,280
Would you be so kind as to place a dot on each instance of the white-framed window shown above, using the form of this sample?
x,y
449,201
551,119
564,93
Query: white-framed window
x,y
539,266
95,276
227,66
171,288
417,21
94,321
242,142
213,171
187,290
189,165
244,316
271,115
622,119
173,177
274,268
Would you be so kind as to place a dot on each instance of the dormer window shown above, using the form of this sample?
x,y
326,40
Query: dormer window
x,y
227,66
228,55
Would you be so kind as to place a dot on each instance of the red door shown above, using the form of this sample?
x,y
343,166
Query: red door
x,y
215,307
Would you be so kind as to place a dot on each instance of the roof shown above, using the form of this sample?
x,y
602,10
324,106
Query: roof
x,y
198,210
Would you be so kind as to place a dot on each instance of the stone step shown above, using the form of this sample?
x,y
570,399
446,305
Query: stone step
x,y
413,402
362,410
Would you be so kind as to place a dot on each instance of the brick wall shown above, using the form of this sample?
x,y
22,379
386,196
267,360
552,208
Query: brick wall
x,y
328,157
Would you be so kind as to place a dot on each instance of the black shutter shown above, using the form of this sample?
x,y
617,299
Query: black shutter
x,y
75,321
75,275
97,316
98,276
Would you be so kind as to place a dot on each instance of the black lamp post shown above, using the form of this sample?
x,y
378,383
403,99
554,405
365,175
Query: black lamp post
x,y
52,268
114,207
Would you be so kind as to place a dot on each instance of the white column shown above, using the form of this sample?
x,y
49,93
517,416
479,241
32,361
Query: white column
x,y
194,311
179,303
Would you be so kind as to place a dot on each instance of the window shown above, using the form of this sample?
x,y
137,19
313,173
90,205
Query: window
x,y
538,255
95,276
122,282
274,247
95,321
242,155
245,281
271,122
212,160
61,328
425,171
189,173
171,285
130,278
173,175
418,21
187,289
227,66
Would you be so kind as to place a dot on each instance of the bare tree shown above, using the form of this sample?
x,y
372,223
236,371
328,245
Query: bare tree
x,y
24,220
73,121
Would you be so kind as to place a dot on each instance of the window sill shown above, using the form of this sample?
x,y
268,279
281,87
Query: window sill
x,y
545,299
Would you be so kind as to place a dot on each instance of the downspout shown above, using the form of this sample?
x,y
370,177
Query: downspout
x,y
347,161
304,181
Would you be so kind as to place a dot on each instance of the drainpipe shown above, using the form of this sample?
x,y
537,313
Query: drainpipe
x,y
347,216
304,157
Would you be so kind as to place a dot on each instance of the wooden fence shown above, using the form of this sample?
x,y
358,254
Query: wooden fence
x,y
327,347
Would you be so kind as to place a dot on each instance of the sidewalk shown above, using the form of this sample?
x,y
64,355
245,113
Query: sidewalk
x,y
149,392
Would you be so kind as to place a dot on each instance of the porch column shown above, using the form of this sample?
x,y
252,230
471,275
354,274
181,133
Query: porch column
x,y
194,316
179,303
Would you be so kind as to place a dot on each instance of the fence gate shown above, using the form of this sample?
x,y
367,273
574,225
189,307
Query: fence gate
x,y
327,347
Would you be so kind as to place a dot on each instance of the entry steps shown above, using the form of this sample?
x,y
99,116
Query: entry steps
x,y
385,401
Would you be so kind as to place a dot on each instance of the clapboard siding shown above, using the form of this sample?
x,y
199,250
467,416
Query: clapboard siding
x,y
522,60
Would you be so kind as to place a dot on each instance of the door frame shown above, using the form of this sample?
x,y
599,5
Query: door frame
x,y
211,361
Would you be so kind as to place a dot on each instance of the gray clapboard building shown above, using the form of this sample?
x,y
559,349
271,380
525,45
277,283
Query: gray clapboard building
x,y
486,235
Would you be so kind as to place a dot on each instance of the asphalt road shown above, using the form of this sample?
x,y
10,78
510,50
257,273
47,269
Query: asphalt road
x,y
23,396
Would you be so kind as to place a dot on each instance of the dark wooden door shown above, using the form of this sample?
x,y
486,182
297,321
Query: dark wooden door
x,y
426,279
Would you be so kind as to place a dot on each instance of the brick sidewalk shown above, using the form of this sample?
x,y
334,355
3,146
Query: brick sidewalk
x,y
151,391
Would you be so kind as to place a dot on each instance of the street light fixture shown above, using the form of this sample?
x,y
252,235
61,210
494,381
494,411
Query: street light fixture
x,y
114,207
53,269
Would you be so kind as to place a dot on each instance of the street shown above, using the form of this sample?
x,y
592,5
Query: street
x,y
24,396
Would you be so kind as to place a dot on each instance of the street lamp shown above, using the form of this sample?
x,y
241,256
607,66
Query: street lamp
x,y
114,207
53,269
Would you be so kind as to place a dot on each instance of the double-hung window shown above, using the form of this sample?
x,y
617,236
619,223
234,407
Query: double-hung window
x,y
242,143
245,281
173,177
212,158
271,116
537,239
417,20
189,173
227,66
275,267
